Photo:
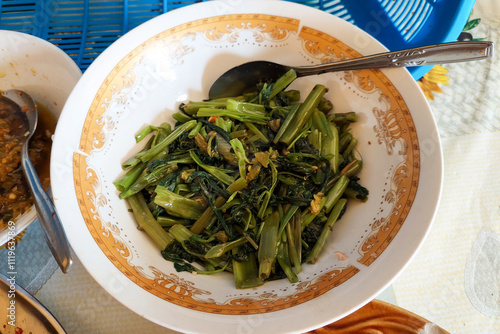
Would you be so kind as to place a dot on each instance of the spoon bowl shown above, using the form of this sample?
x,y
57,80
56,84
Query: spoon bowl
x,y
12,114
25,113
237,80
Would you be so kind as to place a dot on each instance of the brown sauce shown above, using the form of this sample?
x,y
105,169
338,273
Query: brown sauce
x,y
15,197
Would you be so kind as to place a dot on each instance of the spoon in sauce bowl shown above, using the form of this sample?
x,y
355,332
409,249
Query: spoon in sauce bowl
x,y
25,116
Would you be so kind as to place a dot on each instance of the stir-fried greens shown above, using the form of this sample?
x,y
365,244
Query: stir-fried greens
x,y
251,185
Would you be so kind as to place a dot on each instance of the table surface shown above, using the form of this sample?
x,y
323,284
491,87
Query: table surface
x,y
453,281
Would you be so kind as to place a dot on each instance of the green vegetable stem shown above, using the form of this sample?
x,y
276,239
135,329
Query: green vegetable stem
x,y
250,185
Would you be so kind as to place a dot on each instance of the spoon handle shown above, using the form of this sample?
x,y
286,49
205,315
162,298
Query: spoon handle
x,y
426,55
47,216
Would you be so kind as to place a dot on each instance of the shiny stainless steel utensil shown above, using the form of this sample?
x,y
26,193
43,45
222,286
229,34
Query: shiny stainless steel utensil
x,y
238,79
25,107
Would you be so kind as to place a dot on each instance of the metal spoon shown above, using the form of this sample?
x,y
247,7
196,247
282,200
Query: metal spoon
x,y
25,107
239,79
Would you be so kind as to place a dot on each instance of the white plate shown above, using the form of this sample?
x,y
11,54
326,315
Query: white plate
x,y
143,77
23,313
42,70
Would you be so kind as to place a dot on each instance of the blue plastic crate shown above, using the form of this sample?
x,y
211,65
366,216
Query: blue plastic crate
x,y
85,28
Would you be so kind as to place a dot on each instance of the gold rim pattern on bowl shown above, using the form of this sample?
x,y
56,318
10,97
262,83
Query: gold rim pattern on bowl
x,y
394,130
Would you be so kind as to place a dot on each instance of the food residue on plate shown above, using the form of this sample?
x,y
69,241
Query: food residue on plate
x,y
341,256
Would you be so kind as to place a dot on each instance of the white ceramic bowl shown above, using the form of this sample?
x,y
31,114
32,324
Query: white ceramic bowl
x,y
143,77
42,70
